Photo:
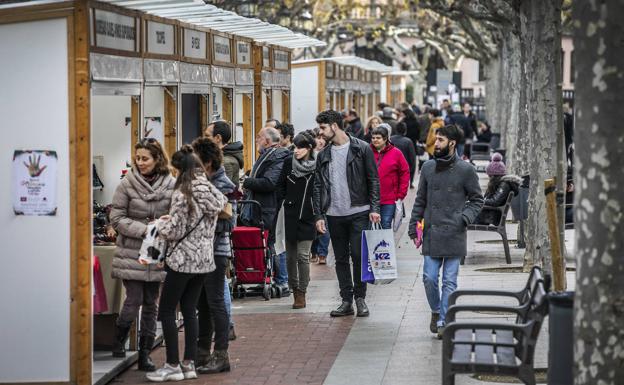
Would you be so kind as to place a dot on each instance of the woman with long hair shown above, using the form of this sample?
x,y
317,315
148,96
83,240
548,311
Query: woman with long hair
x,y
189,229
371,123
143,195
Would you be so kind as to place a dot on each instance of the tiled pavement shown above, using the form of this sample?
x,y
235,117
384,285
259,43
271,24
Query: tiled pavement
x,y
279,345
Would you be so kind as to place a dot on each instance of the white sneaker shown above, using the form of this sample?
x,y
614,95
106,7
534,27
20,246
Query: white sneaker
x,y
166,373
189,371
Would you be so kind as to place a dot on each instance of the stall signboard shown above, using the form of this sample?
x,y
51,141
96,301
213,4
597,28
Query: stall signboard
x,y
341,72
243,53
281,60
114,31
222,49
266,57
34,182
329,70
160,38
348,73
195,44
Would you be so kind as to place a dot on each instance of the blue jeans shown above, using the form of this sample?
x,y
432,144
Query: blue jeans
x,y
387,215
320,246
281,273
431,272
227,296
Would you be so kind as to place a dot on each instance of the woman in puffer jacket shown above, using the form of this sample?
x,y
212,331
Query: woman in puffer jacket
x,y
189,229
142,196
498,190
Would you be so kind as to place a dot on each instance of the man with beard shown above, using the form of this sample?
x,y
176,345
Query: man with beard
x,y
449,199
345,199
233,161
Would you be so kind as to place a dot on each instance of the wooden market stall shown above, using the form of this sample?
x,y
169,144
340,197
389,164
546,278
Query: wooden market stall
x,y
244,99
280,93
92,80
338,83
195,81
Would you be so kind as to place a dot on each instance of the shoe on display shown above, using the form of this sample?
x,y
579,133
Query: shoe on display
x,y
166,373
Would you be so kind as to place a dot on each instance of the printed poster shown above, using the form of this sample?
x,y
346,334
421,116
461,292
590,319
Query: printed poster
x,y
34,182
153,128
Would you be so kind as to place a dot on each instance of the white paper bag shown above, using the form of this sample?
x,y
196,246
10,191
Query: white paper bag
x,y
153,247
378,256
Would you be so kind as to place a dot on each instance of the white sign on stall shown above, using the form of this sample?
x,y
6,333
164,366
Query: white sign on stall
x,y
222,49
115,31
280,59
266,58
194,44
153,128
34,182
243,53
160,38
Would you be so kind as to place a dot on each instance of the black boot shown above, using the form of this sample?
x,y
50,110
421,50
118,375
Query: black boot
x,y
119,346
145,348
362,309
203,354
345,308
219,362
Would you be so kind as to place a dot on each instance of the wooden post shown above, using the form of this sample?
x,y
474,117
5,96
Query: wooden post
x,y
258,91
248,134
226,99
203,112
135,116
171,118
285,106
558,263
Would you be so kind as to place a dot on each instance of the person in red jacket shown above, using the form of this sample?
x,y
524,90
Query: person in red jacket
x,y
394,174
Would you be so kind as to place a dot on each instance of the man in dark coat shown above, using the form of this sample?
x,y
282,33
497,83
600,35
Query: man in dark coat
x,y
449,199
406,146
345,199
354,125
387,116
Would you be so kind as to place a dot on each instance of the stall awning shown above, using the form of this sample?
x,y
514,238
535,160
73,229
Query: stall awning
x,y
198,13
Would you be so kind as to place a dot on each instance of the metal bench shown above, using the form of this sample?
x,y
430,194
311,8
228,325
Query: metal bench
x,y
480,151
499,228
495,348
522,296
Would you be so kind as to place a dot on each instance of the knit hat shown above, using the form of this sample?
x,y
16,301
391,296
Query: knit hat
x,y
496,166
387,112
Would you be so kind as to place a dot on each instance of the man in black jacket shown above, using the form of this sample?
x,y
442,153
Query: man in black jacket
x,y
354,125
406,146
346,195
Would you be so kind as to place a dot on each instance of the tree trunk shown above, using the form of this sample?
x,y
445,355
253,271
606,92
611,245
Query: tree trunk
x,y
515,132
543,36
599,203
493,91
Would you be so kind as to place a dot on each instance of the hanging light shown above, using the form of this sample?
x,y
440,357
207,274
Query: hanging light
x,y
284,17
247,8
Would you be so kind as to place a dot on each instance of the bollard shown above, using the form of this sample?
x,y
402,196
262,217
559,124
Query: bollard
x,y
561,326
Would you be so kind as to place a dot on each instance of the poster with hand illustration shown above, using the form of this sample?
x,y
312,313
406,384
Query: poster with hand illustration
x,y
34,182
153,128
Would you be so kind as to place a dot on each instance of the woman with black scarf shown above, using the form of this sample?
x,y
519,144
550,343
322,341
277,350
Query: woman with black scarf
x,y
295,189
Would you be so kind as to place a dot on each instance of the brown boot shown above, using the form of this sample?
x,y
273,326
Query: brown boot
x,y
322,260
299,299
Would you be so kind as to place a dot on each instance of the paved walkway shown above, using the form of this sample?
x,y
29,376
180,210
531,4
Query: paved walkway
x,y
279,345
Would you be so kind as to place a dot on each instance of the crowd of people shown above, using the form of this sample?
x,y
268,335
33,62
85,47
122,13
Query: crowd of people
x,y
328,183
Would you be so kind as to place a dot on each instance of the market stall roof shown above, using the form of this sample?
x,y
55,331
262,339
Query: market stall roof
x,y
369,65
205,15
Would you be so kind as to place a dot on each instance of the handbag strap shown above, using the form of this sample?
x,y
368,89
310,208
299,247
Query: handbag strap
x,y
185,235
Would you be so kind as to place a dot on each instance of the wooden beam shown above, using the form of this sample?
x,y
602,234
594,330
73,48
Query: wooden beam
x,y
227,95
203,112
171,118
285,106
258,92
248,132
135,116
81,350
558,263
322,103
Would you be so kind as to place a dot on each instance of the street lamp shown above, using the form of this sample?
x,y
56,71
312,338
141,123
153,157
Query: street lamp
x,y
247,8
284,17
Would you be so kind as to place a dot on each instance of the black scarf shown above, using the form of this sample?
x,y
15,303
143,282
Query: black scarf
x,y
444,163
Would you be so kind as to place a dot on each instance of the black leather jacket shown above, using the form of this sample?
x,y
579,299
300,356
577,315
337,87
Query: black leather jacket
x,y
361,176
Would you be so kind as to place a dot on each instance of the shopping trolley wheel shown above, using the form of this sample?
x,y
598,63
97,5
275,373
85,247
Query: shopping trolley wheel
x,y
266,292
240,292
278,291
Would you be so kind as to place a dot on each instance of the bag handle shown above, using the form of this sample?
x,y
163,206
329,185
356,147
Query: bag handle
x,y
375,226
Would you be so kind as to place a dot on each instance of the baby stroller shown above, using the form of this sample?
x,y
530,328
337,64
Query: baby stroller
x,y
252,257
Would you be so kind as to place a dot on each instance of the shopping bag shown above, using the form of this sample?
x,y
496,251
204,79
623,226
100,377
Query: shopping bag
x,y
420,230
280,233
399,214
154,247
379,264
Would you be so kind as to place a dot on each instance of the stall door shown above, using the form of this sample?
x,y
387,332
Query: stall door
x,y
191,117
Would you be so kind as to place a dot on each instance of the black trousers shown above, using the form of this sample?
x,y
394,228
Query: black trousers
x,y
346,238
183,288
213,317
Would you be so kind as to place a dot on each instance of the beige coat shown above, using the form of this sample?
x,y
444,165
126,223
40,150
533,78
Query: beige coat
x,y
193,254
135,204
